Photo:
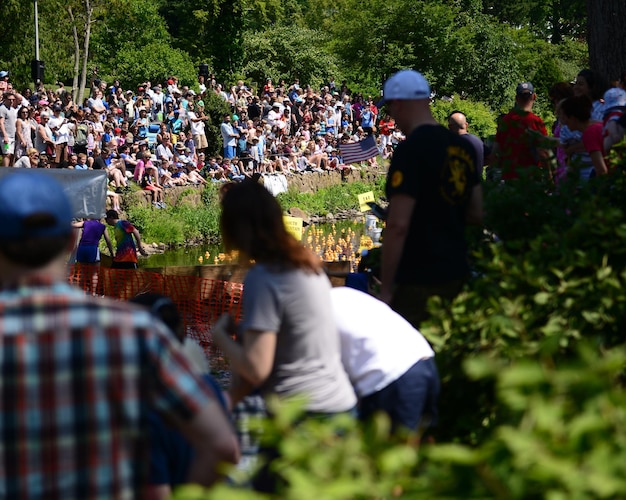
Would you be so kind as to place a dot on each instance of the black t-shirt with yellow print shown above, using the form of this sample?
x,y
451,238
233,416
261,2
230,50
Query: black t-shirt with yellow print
x,y
438,169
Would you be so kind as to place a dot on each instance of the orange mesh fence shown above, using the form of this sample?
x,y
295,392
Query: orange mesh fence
x,y
200,301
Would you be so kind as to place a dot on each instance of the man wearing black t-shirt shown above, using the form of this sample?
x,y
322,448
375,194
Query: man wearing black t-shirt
x,y
99,162
433,187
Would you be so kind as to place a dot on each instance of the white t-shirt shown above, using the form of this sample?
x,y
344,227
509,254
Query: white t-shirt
x,y
378,345
62,132
197,128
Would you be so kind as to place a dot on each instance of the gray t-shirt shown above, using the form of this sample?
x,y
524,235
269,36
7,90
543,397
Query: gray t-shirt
x,y
297,306
10,120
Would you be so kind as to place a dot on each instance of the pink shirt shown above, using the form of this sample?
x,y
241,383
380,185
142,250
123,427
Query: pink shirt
x,y
592,138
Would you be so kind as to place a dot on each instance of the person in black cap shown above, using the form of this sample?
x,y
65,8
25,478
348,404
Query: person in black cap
x,y
79,373
518,143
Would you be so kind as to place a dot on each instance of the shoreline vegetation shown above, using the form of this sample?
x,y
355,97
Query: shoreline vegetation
x,y
194,218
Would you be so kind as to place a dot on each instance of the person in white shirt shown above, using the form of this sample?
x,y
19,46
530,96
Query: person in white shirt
x,y
389,362
197,120
59,127
229,137
275,115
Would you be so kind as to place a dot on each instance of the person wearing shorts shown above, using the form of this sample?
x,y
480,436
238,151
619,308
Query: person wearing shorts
x,y
128,242
88,251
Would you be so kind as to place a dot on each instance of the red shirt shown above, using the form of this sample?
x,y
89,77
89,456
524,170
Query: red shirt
x,y
518,148
592,138
386,127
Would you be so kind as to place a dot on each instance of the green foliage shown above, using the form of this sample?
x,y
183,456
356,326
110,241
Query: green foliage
x,y
180,224
152,62
463,46
555,277
572,55
330,199
478,47
214,107
566,438
558,21
133,45
481,120
288,52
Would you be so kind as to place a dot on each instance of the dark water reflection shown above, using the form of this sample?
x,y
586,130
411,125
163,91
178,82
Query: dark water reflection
x,y
340,240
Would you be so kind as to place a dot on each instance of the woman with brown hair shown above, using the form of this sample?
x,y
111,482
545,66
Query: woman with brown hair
x,y
576,113
23,133
290,344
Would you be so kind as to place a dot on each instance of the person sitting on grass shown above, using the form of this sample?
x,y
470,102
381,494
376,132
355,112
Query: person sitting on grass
x,y
165,174
145,166
148,184
193,175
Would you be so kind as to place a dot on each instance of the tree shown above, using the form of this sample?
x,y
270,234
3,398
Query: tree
x,y
555,20
78,90
134,46
289,53
607,37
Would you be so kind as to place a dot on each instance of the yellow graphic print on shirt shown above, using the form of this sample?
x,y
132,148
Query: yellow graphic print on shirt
x,y
454,175
396,179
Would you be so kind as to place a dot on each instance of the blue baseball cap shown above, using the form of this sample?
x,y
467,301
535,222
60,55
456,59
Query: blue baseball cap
x,y
406,85
525,88
33,204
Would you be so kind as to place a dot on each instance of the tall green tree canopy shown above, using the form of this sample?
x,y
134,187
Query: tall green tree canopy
x,y
478,48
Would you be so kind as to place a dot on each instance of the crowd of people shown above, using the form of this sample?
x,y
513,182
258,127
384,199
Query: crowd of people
x,y
155,135
87,374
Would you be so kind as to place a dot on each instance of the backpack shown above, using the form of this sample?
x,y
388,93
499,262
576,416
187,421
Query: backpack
x,y
81,135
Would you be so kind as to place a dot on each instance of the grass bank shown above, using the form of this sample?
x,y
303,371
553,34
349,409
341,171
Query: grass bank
x,y
189,223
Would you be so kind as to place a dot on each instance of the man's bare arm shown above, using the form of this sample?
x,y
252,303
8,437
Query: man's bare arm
x,y
396,229
474,212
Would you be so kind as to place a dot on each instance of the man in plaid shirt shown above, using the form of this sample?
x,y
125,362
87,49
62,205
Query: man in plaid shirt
x,y
78,374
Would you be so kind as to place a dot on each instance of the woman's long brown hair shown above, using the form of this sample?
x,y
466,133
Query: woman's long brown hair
x,y
252,222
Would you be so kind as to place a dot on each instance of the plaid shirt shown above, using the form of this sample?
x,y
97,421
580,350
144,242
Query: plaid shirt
x,y
77,375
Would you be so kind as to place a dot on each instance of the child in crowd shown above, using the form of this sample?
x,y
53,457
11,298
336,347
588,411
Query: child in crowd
x,y
148,184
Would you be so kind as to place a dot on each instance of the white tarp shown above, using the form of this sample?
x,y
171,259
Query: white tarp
x,y
87,189
275,183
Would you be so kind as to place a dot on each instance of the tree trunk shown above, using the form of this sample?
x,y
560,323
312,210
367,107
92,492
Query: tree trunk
x,y
76,55
606,37
83,76
555,20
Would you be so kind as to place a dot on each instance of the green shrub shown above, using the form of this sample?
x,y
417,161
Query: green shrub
x,y
481,120
331,199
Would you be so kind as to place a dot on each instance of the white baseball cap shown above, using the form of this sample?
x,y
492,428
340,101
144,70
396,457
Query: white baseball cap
x,y
406,85
614,97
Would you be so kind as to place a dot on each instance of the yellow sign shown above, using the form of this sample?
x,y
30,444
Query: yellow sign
x,y
363,199
294,226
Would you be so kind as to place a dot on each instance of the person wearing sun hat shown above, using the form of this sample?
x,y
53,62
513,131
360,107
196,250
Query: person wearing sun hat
x,y
433,188
75,367
4,80
614,117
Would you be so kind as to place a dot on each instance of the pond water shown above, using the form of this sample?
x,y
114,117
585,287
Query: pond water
x,y
339,241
